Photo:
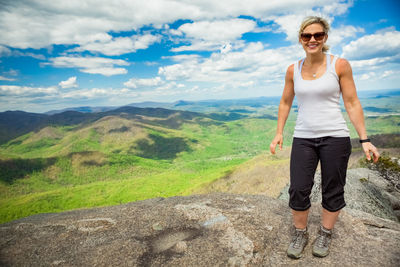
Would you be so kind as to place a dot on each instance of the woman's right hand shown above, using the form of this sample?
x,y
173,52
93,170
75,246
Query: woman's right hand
x,y
278,139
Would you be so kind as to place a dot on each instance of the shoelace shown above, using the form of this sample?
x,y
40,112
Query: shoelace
x,y
322,239
298,239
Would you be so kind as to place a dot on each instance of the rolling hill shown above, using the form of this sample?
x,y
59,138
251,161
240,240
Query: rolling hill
x,y
17,123
74,159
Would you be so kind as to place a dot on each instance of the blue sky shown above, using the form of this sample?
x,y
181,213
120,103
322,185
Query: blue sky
x,y
56,54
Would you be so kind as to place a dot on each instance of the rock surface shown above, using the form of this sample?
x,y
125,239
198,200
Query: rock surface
x,y
199,230
365,190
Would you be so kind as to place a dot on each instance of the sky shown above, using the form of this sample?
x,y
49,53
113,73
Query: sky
x,y
56,54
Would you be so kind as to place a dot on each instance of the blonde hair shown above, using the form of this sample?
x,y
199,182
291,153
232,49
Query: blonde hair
x,y
314,19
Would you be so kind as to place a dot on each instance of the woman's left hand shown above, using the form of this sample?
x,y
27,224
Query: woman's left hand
x,y
370,148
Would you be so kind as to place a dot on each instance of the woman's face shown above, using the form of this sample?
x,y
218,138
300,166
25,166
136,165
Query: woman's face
x,y
313,46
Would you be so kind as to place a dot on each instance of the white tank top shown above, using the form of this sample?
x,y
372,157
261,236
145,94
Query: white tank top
x,y
319,113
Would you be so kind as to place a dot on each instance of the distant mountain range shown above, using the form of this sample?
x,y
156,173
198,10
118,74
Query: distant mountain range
x,y
199,106
17,123
221,105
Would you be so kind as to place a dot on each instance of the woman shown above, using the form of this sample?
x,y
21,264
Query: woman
x,y
321,133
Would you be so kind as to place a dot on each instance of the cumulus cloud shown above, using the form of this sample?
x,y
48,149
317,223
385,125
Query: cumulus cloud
x,y
367,76
388,73
84,22
373,62
2,78
14,90
252,63
212,35
70,83
114,28
138,83
289,22
170,85
222,30
4,51
371,46
338,35
93,65
11,72
87,93
336,7
120,45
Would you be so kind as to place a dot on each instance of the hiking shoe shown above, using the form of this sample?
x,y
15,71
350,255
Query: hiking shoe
x,y
299,241
322,242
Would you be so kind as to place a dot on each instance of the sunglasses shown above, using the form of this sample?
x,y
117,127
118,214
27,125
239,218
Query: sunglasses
x,y
318,36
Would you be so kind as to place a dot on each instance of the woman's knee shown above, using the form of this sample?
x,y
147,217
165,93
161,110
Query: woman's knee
x,y
300,197
333,201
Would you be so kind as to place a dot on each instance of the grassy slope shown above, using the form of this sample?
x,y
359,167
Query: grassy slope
x,y
69,176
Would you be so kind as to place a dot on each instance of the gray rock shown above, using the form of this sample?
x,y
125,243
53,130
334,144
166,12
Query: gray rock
x,y
365,190
199,230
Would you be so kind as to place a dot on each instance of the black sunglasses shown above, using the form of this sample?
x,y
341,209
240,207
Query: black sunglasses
x,y
318,36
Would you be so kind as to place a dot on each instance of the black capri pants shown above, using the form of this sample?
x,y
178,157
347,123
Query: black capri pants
x,y
334,153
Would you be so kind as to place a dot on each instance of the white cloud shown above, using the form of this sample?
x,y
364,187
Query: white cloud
x,y
183,57
2,78
120,45
28,54
6,74
135,83
169,86
377,45
4,51
212,35
14,90
367,76
253,63
388,73
99,93
83,22
106,27
198,46
289,24
11,72
222,30
373,62
105,71
377,76
336,7
70,83
337,35
85,93
150,63
93,65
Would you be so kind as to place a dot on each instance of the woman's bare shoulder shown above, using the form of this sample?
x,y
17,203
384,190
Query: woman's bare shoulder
x,y
342,66
290,69
290,72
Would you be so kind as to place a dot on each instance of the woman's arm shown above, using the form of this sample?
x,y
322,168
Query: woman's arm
x,y
353,105
284,109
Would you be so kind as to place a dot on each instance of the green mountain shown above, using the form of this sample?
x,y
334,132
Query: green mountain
x,y
17,123
72,159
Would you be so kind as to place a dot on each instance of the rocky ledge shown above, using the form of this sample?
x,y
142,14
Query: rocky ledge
x,y
200,230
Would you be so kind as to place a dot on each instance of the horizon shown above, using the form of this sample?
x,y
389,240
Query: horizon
x,y
376,91
83,54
